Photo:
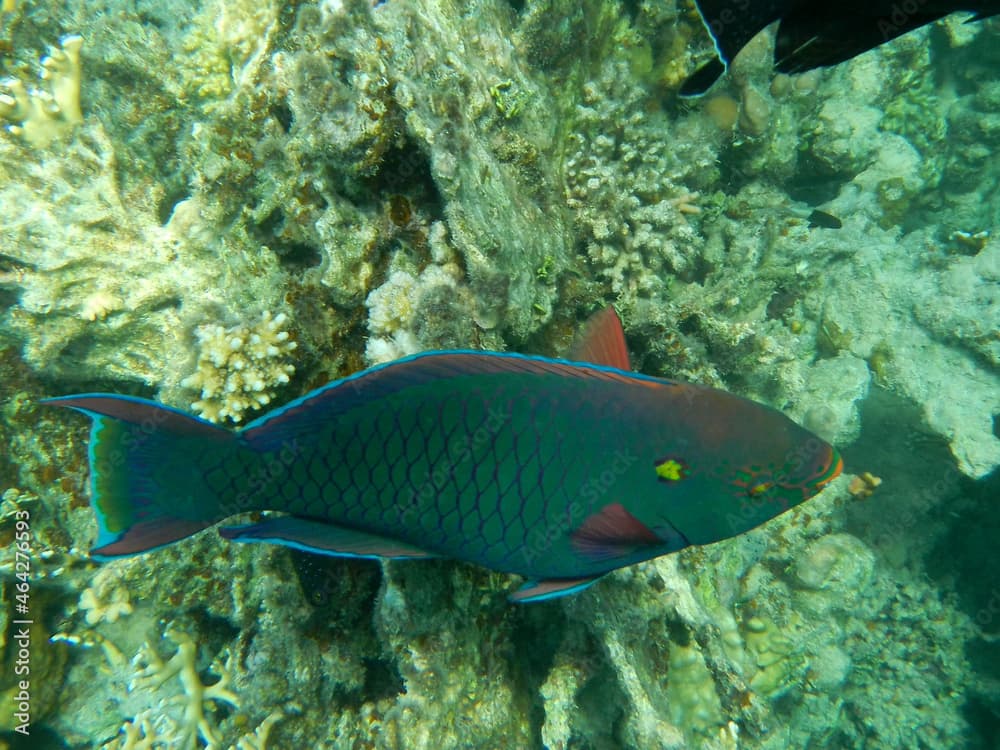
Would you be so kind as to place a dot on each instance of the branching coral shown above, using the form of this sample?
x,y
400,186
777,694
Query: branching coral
x,y
625,186
110,609
153,672
106,598
140,734
240,367
257,740
40,115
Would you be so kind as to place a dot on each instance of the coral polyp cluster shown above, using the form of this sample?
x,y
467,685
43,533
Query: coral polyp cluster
x,y
240,367
41,114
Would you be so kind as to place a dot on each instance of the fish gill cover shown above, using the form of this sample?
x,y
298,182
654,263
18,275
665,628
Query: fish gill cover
x,y
191,189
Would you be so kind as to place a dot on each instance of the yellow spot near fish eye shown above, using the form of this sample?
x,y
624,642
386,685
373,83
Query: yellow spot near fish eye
x,y
759,489
671,470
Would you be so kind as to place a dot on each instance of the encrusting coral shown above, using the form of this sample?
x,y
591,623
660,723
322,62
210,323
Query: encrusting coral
x,y
394,310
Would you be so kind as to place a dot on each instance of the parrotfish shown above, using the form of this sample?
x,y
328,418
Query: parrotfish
x,y
557,470
815,34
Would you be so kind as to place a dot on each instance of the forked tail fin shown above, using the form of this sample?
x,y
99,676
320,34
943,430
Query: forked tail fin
x,y
148,485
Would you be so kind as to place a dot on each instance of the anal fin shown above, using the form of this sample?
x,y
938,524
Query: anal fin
x,y
322,538
539,591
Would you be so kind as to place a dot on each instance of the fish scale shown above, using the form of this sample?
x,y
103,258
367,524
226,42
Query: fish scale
x,y
485,494
556,470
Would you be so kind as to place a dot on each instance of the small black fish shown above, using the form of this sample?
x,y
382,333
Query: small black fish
x,y
812,34
819,218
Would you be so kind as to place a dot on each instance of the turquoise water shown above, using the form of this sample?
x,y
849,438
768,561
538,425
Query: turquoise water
x,y
221,206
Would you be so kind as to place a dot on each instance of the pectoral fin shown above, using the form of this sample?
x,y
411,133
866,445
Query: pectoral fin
x,y
613,533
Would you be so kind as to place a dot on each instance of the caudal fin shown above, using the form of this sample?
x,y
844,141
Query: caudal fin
x,y
147,478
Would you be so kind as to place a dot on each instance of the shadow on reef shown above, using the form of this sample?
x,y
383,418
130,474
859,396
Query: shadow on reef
x,y
41,738
967,558
928,515
920,479
327,582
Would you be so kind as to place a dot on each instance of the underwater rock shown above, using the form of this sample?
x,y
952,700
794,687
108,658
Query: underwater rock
x,y
837,563
835,388
496,206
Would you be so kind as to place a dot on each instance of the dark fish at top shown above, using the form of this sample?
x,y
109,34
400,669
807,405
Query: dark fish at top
x,y
813,34
560,471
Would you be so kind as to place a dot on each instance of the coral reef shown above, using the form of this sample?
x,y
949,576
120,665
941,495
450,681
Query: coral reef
x,y
222,206
129,310
112,604
153,672
400,306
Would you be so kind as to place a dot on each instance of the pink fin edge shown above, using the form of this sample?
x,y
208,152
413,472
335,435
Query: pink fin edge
x,y
612,532
537,591
602,341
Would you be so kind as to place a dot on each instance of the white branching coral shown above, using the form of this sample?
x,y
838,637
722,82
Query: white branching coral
x,y
257,740
106,598
110,609
40,115
139,734
154,672
240,367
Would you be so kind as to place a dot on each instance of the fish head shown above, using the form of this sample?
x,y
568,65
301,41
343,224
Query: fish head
x,y
740,464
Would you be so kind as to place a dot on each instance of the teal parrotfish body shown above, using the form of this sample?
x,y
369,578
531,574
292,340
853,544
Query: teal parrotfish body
x,y
557,470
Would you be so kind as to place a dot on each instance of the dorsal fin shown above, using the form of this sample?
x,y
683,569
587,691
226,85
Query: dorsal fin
x,y
601,341
287,425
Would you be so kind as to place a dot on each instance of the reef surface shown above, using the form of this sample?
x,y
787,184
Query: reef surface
x,y
224,204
